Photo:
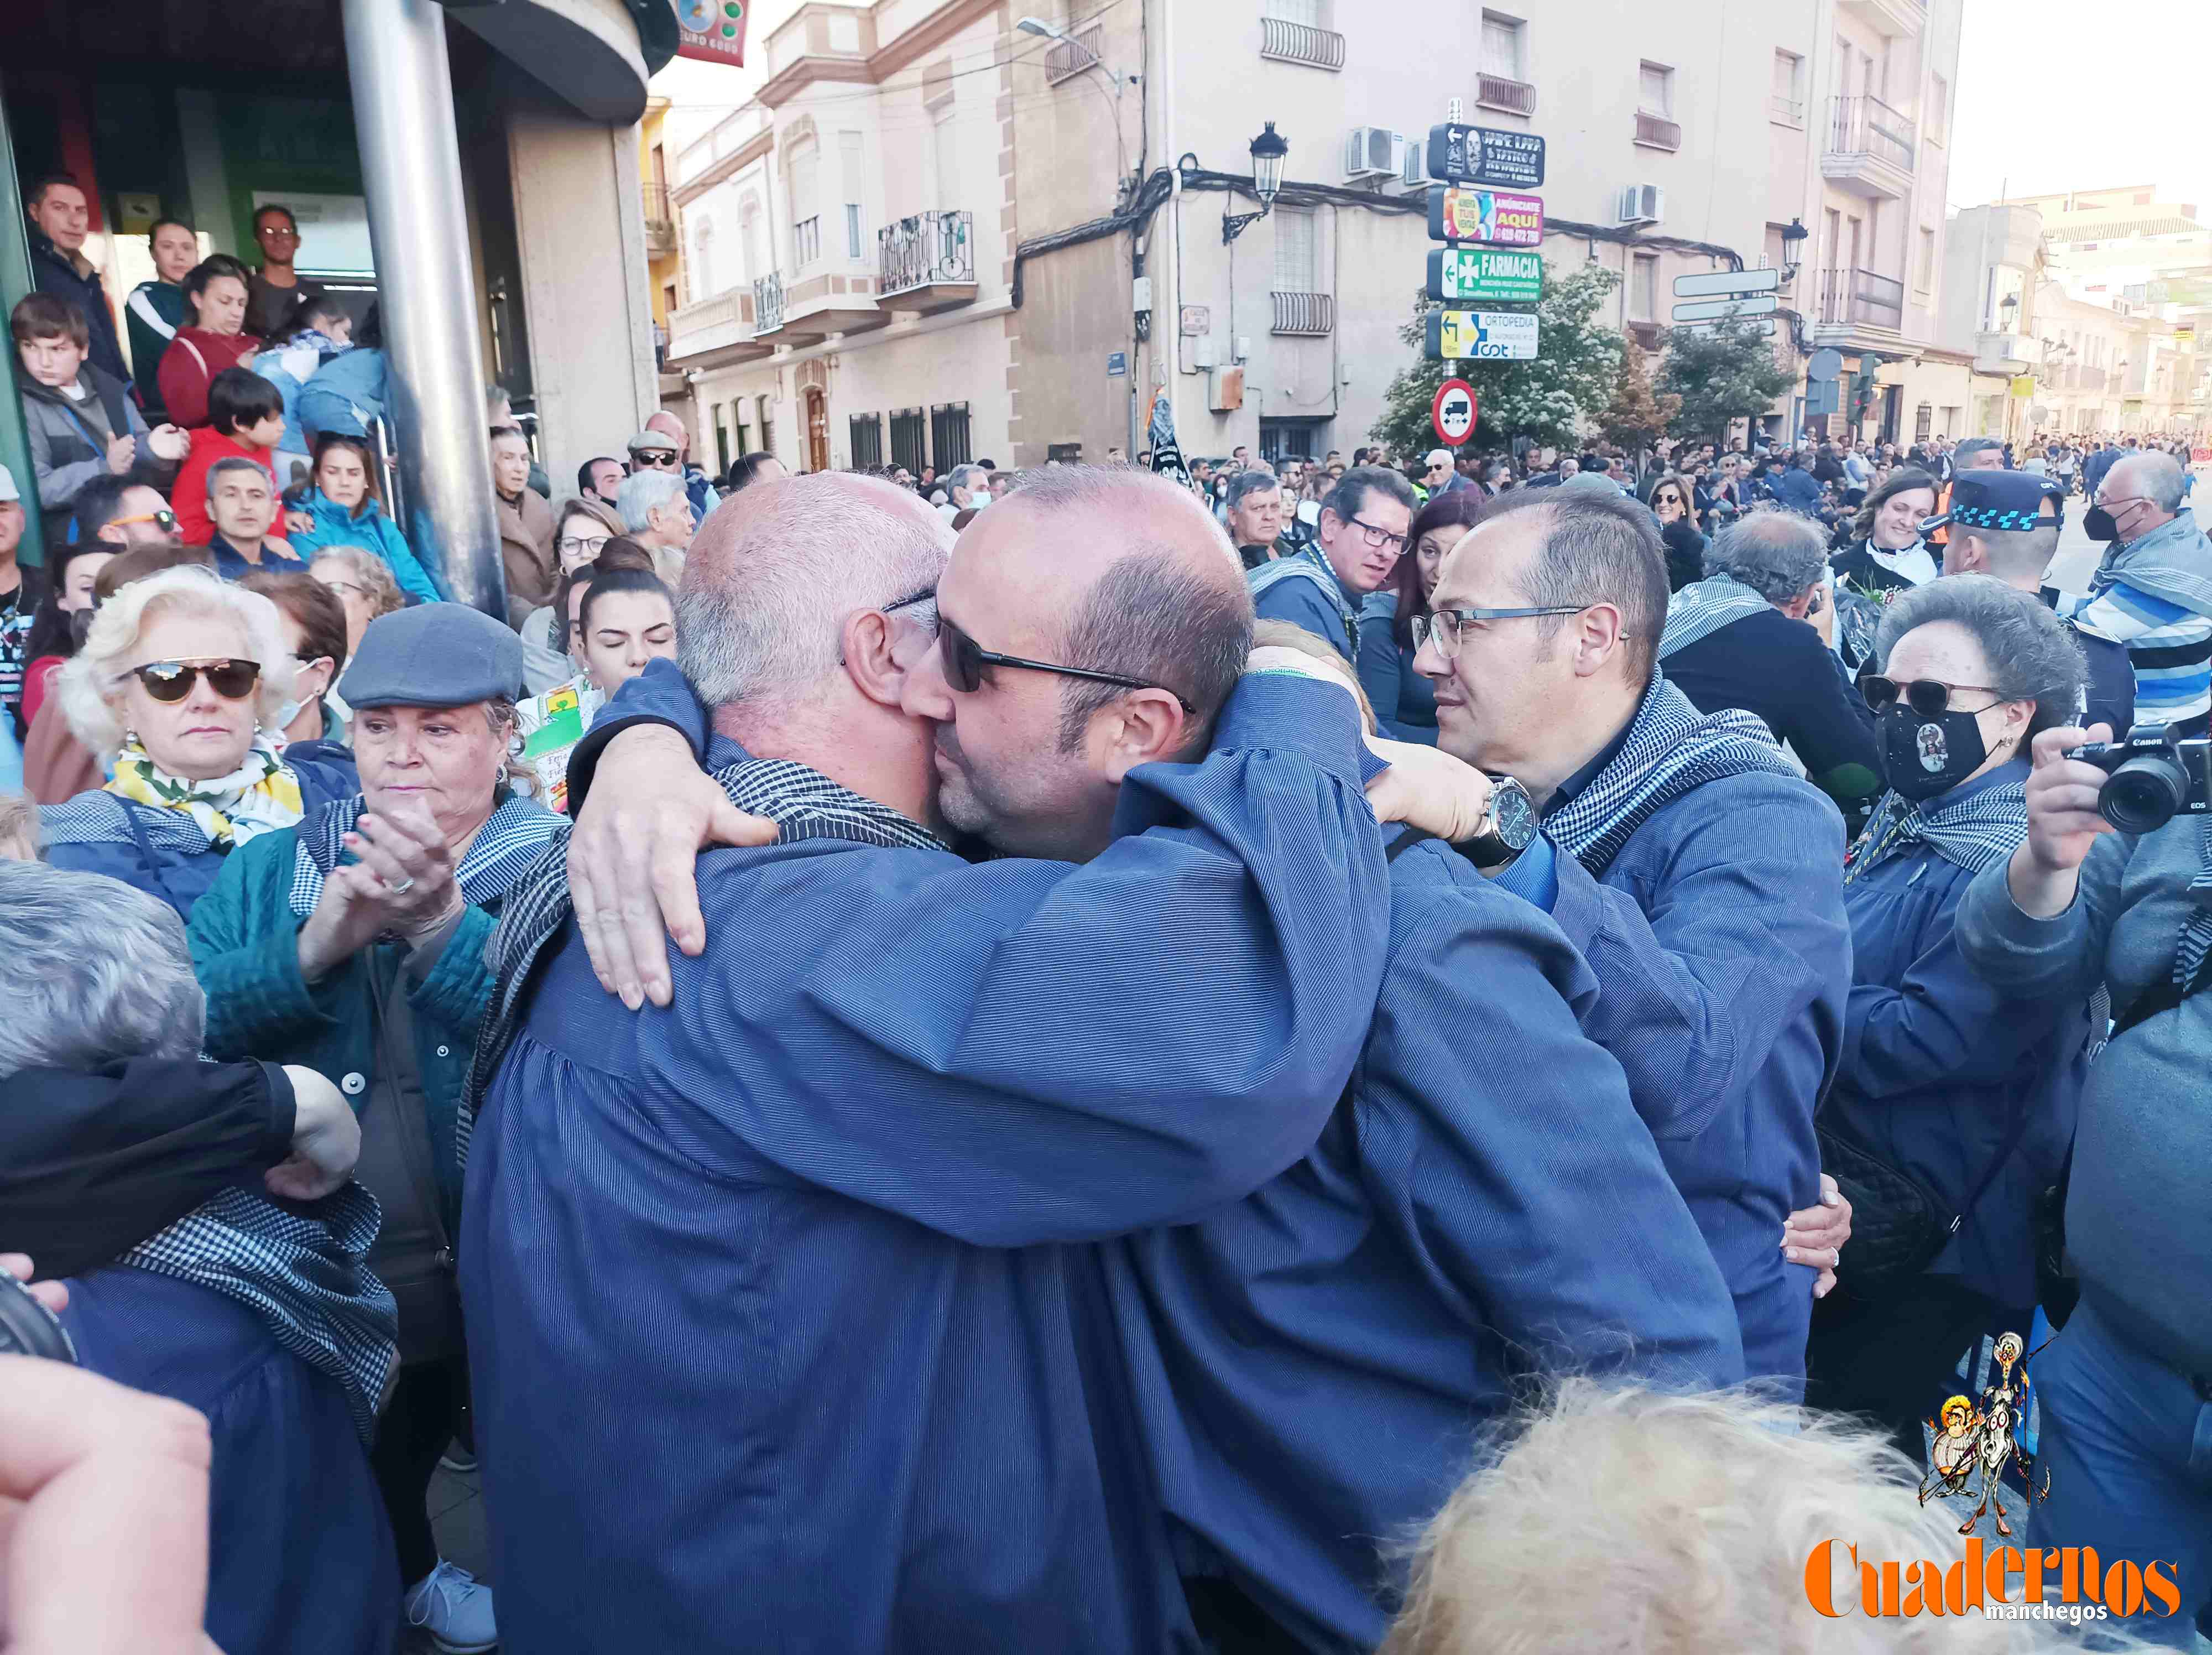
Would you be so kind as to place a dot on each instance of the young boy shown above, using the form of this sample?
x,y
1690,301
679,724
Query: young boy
x,y
81,422
246,421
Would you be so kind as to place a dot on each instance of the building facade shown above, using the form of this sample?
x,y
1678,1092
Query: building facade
x,y
930,230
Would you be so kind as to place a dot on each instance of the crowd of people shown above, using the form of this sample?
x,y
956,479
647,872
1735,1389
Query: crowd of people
x,y
1331,1056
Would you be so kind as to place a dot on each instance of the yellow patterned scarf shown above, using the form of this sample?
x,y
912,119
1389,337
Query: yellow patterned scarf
x,y
258,795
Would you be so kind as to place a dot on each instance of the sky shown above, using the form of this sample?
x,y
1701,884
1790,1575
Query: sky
x,y
2055,94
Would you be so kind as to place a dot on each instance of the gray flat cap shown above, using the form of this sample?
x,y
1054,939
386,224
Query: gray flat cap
x,y
654,440
433,655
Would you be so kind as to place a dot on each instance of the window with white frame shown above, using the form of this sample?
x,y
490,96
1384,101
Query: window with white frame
x,y
1502,39
1785,102
945,161
749,237
1644,289
1307,12
1298,266
1655,90
849,164
805,206
702,255
1925,272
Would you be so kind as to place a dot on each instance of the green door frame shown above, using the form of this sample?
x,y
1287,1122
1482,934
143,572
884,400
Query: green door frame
x,y
14,282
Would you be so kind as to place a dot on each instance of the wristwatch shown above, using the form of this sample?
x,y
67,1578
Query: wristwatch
x,y
1507,828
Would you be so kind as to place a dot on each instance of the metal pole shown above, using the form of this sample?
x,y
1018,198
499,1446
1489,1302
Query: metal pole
x,y
403,102
16,281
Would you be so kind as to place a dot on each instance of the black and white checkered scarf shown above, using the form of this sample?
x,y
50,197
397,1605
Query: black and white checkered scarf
x,y
803,802
1671,749
502,851
1970,833
307,1279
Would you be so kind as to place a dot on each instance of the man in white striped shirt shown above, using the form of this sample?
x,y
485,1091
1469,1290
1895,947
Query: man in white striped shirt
x,y
2153,590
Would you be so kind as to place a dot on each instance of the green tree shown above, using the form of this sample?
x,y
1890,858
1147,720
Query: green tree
x,y
1547,399
1636,418
1729,373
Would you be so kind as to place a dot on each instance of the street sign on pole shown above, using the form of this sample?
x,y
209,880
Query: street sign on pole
x,y
1464,273
1484,155
1453,412
1760,327
1506,221
1481,334
1728,281
1824,365
1824,397
1706,310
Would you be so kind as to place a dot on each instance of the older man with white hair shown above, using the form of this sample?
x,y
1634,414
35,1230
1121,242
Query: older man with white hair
x,y
964,486
656,513
2153,590
1740,638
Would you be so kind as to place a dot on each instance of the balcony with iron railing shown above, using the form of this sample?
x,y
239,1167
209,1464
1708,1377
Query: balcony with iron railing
x,y
1656,131
1499,92
1870,148
2094,378
1304,315
660,222
1853,299
805,242
1790,111
926,262
1071,57
1286,42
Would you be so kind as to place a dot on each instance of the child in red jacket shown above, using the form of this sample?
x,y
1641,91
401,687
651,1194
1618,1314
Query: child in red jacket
x,y
246,421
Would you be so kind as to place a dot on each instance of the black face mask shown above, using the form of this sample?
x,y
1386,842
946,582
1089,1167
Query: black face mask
x,y
2097,523
1922,757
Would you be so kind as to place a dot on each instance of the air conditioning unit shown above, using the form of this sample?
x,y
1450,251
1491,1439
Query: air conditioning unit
x,y
1415,174
1641,204
1374,152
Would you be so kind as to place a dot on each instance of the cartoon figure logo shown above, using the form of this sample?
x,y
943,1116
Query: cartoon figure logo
x,y
1978,1439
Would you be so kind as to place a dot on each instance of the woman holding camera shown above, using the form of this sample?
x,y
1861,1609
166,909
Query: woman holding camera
x,y
2127,1393
1965,1088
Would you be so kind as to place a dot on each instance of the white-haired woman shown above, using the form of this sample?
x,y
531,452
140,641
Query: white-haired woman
x,y
181,689
1964,1089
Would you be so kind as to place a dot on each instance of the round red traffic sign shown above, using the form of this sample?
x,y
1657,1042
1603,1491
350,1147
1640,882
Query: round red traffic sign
x,y
1453,412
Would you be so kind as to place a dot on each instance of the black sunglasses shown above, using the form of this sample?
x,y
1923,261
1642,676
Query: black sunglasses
x,y
967,663
172,680
1930,698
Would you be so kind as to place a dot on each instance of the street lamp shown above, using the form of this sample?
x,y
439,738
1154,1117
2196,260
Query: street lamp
x,y
1267,152
1792,235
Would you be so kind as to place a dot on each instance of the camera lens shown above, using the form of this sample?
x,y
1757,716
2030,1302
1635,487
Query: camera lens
x,y
2142,795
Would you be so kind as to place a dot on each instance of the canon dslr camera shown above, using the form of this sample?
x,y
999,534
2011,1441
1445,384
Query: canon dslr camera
x,y
2151,778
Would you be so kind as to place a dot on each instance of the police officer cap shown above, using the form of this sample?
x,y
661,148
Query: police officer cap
x,y
2000,500
433,655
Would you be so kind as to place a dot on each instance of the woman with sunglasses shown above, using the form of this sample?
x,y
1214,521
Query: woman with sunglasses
x,y
343,506
179,689
1405,702
1966,1090
1673,500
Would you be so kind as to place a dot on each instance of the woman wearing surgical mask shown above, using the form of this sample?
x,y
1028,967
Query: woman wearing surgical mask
x,y
1964,1089
313,620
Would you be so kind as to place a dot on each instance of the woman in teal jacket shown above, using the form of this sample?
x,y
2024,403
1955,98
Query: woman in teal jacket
x,y
354,943
340,508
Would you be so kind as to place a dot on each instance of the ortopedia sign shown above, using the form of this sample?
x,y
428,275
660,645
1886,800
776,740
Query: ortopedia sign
x,y
1482,335
1453,412
1506,221
1485,155
1464,273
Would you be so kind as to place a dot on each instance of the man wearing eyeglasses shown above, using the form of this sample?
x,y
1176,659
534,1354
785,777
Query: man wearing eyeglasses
x,y
1357,542
2153,590
890,1081
1700,875
274,292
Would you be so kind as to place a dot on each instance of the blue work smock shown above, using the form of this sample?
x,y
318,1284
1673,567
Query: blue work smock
x,y
778,1336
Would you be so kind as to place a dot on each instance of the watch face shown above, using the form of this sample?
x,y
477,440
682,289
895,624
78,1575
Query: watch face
x,y
1512,817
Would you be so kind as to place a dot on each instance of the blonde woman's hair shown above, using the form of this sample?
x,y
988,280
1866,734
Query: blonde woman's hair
x,y
19,828
370,572
90,684
1617,1519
